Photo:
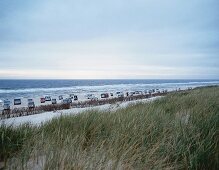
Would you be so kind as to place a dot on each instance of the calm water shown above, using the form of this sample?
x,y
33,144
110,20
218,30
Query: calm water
x,y
33,88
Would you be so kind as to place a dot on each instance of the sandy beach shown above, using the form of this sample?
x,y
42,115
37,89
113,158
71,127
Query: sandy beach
x,y
38,119
82,95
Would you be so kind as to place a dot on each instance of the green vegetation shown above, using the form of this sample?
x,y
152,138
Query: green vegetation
x,y
179,131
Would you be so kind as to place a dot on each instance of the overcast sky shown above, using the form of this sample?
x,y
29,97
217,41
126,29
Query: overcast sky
x,y
109,39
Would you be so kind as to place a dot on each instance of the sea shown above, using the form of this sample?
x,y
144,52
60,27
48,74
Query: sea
x,y
10,89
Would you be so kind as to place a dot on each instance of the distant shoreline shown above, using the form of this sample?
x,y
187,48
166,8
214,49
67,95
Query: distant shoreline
x,y
24,111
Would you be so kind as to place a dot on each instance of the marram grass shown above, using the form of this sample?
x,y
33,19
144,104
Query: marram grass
x,y
179,131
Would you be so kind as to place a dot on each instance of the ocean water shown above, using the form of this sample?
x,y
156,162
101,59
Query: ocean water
x,y
10,89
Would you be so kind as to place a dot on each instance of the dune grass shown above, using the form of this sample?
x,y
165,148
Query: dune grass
x,y
179,131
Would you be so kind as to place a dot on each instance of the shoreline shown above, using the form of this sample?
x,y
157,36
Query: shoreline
x,y
81,106
26,92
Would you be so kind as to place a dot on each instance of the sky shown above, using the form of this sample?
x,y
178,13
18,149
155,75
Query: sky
x,y
114,39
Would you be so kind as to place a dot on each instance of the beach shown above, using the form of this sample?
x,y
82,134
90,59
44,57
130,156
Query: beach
x,y
88,97
36,89
41,118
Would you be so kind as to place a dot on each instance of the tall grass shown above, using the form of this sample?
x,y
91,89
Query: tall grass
x,y
179,131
